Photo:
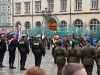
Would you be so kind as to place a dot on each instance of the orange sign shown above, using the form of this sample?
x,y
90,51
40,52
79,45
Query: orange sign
x,y
53,27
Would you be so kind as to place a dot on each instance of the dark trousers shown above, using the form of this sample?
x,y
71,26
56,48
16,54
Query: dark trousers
x,y
11,58
1,57
23,59
89,69
98,69
48,45
38,60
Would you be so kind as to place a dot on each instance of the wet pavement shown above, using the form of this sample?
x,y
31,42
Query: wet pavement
x,y
47,64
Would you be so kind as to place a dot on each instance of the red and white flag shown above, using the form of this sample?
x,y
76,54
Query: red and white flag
x,y
20,33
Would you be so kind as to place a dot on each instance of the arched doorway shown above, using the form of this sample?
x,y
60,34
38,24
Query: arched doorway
x,y
27,25
17,24
50,20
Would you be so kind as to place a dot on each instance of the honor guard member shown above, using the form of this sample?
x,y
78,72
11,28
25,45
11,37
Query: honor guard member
x,y
38,50
23,47
12,48
59,56
97,56
3,49
74,53
88,53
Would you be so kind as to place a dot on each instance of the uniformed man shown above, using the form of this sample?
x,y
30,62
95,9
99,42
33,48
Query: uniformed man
x,y
88,53
54,43
12,48
59,56
38,50
23,47
74,53
2,50
97,56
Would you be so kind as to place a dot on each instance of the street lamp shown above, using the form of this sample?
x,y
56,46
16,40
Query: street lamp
x,y
46,13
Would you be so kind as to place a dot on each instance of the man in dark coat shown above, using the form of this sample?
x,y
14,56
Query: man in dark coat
x,y
2,50
38,50
12,49
23,47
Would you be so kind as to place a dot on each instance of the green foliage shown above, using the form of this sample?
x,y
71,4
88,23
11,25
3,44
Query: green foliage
x,y
64,30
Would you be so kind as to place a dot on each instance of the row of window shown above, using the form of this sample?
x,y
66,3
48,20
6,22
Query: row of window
x,y
3,8
4,21
78,23
63,5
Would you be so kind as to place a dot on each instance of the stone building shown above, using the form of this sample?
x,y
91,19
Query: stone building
x,y
6,14
79,13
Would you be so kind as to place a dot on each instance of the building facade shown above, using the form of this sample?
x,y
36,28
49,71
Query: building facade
x,y
6,15
79,13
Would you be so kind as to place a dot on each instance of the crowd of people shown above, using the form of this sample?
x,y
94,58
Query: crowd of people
x,y
80,49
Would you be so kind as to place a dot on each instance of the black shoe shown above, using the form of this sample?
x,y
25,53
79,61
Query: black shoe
x,y
9,66
23,69
12,67
2,66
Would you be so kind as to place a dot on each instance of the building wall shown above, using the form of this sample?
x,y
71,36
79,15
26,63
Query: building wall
x,y
86,14
5,14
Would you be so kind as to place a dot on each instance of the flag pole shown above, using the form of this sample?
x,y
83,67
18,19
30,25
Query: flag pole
x,y
19,37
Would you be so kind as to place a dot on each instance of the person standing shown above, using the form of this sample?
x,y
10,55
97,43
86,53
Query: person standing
x,y
54,43
31,40
38,50
12,49
74,53
23,47
48,42
3,49
88,53
97,57
59,56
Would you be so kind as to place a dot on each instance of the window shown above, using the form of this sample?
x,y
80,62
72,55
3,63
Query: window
x,y
78,23
78,5
94,4
63,24
38,6
50,5
93,24
8,20
27,7
2,9
17,25
18,8
8,9
27,25
63,5
3,19
38,24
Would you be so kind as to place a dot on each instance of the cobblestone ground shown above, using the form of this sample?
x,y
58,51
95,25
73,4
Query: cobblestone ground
x,y
47,65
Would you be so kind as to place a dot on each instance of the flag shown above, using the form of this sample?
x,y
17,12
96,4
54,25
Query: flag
x,y
20,33
42,33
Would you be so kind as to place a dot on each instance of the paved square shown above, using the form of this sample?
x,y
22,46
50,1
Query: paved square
x,y
47,64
